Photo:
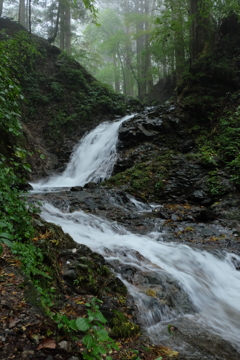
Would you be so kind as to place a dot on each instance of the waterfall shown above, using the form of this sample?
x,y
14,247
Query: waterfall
x,y
92,160
212,283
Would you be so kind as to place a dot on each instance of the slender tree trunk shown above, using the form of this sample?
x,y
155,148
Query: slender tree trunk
x,y
26,14
164,68
30,16
116,76
67,28
1,7
139,46
148,65
123,73
62,27
128,53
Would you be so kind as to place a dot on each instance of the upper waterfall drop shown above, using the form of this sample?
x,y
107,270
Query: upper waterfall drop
x,y
92,160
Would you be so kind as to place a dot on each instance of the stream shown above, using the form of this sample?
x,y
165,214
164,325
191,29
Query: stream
x,y
209,299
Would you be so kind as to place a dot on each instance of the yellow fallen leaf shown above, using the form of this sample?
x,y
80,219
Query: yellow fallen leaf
x,y
151,292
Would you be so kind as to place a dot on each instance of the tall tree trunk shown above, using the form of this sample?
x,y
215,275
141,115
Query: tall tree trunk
x,y
116,76
62,26
1,7
67,28
164,69
51,39
22,13
178,39
200,29
123,72
139,46
128,53
30,16
148,65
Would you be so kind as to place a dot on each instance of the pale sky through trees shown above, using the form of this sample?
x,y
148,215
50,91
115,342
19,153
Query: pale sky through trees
x,y
134,43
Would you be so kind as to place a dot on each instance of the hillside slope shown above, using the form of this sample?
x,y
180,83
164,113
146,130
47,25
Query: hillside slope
x,y
62,100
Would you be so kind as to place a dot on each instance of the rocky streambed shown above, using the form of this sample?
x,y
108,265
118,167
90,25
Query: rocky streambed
x,y
160,299
167,225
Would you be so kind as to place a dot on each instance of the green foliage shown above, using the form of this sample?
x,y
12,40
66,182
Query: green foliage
x,y
215,185
22,52
169,327
31,258
68,325
9,95
159,185
234,168
5,238
208,155
14,214
225,144
15,218
97,341
133,355
122,327
90,5
145,179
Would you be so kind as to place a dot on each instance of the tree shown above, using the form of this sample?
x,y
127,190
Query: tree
x,y
54,27
200,28
22,18
65,25
1,7
108,39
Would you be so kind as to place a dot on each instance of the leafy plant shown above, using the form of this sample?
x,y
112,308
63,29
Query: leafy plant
x,y
15,218
5,238
96,340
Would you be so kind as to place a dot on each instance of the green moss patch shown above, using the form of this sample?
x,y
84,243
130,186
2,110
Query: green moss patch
x,y
146,179
122,327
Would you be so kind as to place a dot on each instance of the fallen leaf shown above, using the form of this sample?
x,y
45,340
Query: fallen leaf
x,y
48,343
13,323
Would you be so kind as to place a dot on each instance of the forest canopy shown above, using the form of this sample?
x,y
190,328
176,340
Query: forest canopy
x,y
128,44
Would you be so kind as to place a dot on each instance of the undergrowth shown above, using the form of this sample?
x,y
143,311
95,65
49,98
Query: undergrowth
x,y
15,219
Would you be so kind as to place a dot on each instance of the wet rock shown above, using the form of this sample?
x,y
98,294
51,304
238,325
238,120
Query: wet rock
x,y
159,285
25,187
90,185
76,188
206,215
70,274
64,345
151,125
188,146
196,342
198,196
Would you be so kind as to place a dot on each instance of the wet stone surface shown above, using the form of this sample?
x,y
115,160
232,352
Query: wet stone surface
x,y
198,226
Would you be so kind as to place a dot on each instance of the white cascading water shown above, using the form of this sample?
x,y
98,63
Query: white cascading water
x,y
213,284
92,160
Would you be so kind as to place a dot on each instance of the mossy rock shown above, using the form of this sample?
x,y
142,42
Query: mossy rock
x,y
144,180
122,327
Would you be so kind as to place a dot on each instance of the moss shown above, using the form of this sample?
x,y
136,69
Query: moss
x,y
144,180
122,327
